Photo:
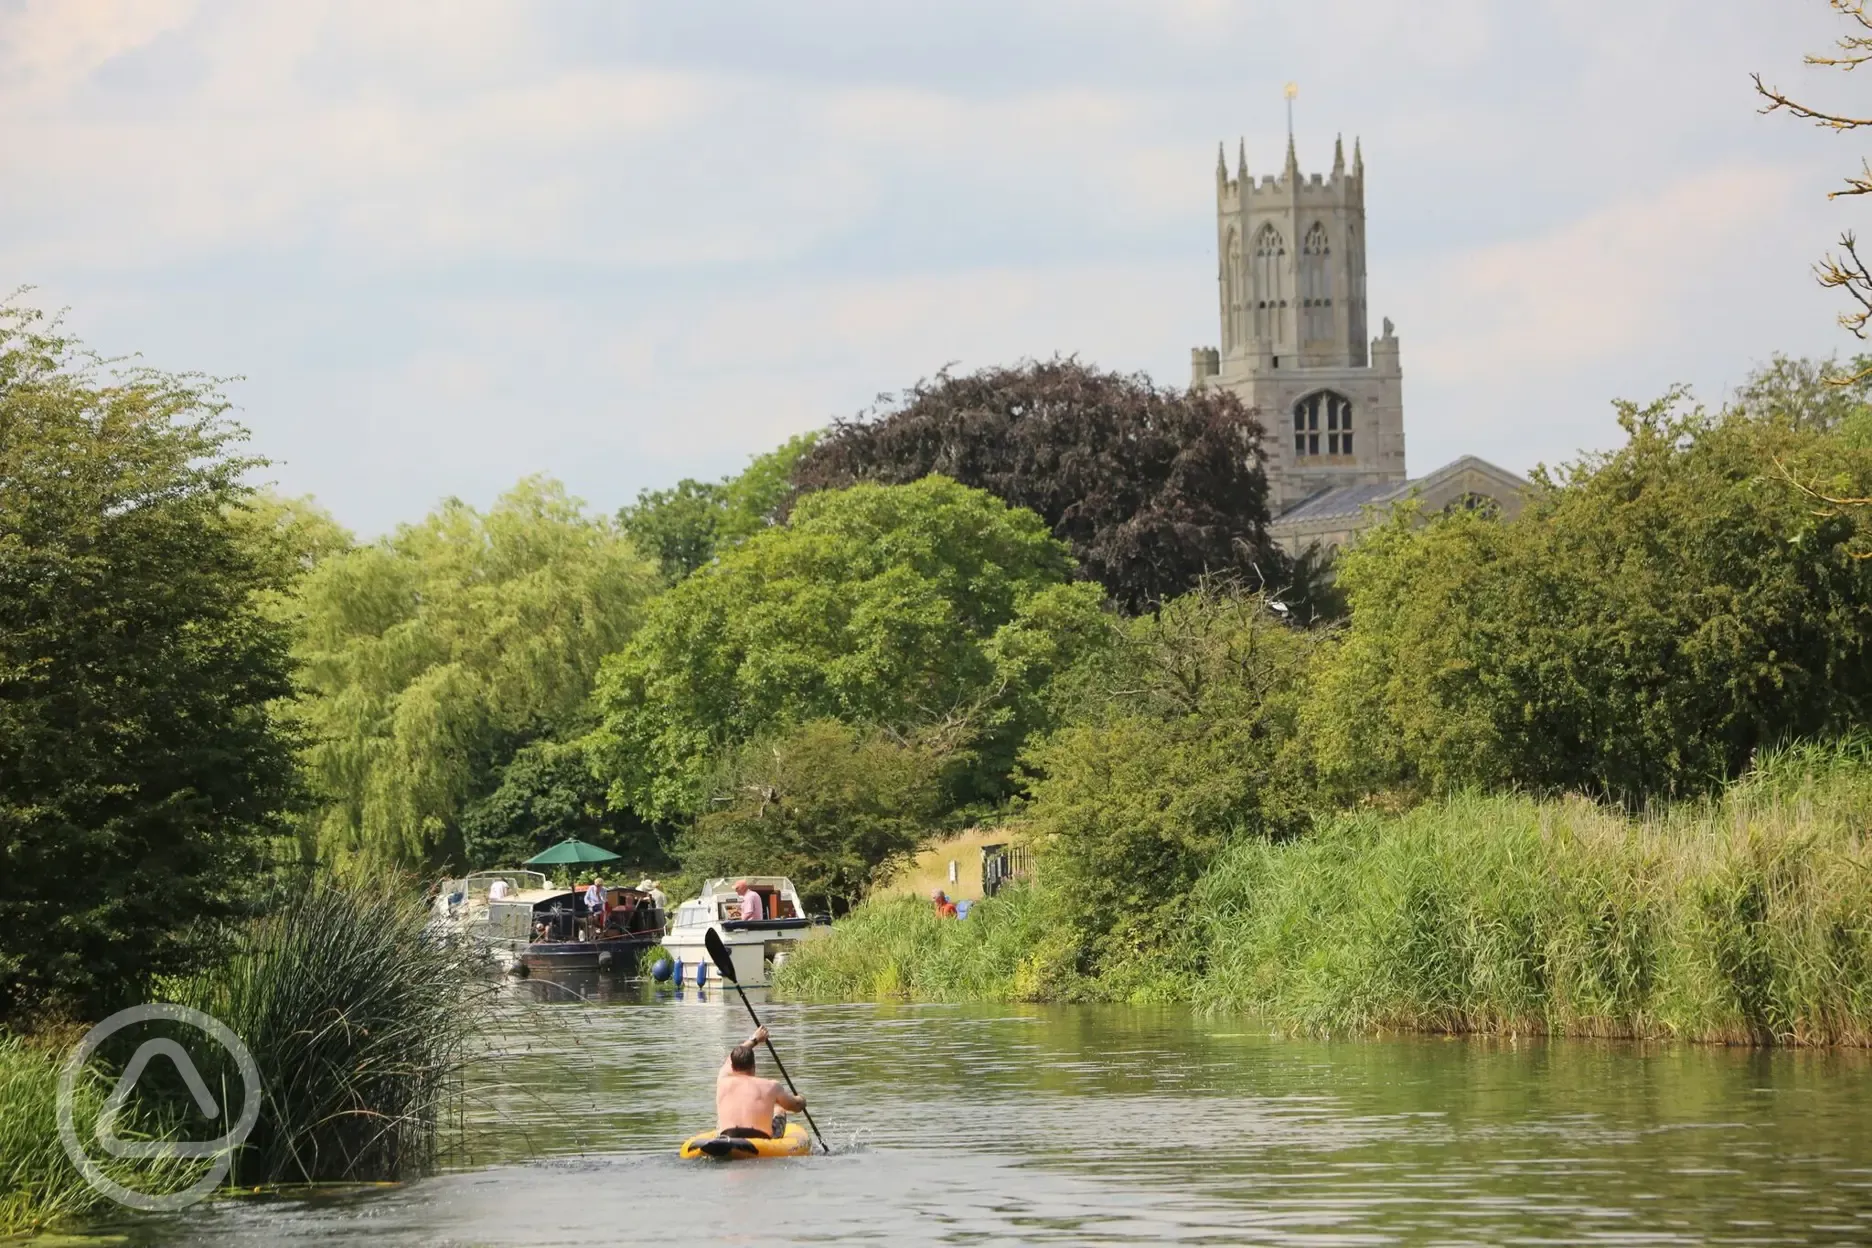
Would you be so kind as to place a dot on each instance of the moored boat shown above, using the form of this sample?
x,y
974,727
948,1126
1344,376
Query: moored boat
x,y
546,929
756,945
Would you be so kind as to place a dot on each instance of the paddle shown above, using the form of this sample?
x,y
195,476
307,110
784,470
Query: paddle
x,y
725,964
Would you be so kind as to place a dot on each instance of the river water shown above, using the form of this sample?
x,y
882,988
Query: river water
x,y
1095,1125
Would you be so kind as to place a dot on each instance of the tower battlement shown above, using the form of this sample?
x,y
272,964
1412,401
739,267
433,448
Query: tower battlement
x,y
1342,187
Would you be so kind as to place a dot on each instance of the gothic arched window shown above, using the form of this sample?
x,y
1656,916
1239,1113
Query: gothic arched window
x,y
1270,295
1316,318
1322,423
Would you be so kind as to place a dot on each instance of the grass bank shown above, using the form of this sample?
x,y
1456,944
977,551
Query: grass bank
x,y
1744,919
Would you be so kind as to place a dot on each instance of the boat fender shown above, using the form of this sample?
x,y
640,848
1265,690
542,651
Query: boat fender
x,y
661,970
604,959
701,974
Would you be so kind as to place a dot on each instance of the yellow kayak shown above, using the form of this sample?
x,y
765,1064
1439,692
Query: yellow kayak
x,y
793,1142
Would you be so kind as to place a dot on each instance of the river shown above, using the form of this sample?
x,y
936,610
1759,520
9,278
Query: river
x,y
1107,1125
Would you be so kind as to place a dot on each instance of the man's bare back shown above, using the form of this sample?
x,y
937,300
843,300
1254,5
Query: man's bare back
x,y
743,1100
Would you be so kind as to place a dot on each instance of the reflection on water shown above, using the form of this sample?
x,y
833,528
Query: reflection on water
x,y
1106,1125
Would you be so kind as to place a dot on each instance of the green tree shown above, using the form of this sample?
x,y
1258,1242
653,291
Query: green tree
x,y
833,807
1182,739
429,658
684,526
141,770
1653,618
547,792
894,606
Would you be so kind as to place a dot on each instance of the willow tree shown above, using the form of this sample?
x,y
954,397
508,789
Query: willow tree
x,y
432,658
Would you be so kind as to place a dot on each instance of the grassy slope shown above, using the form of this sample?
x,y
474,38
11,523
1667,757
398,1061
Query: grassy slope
x,y
1747,919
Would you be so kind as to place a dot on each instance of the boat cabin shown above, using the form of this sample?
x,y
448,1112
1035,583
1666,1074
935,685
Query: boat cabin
x,y
719,903
560,915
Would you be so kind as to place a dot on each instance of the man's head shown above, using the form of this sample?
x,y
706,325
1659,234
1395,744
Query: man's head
x,y
741,887
936,895
741,1057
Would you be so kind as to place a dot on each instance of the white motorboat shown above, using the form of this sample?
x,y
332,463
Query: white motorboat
x,y
756,945
461,906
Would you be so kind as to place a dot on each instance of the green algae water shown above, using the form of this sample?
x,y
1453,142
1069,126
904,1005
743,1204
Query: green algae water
x,y
1105,1125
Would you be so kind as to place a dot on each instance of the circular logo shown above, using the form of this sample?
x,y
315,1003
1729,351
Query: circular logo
x,y
221,1149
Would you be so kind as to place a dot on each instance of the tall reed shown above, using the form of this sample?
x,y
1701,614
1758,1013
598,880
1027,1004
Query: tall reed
x,y
1747,919
360,1020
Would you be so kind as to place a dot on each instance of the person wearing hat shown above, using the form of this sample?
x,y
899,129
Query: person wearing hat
x,y
657,898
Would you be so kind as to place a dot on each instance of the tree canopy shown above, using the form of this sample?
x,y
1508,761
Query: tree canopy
x,y
1655,616
684,526
142,771
429,659
891,606
1151,488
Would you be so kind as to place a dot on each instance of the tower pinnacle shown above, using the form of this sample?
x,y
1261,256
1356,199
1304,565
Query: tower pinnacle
x,y
1338,157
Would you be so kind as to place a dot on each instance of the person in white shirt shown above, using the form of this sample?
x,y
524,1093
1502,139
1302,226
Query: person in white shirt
x,y
595,909
497,891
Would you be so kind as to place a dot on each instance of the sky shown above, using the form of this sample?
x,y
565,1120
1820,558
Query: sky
x,y
446,245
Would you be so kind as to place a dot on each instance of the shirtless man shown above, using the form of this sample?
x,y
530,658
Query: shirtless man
x,y
744,1102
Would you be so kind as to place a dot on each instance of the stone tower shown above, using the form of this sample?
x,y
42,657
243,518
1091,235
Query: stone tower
x,y
1294,334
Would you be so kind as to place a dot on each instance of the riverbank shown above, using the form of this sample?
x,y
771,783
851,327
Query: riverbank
x,y
360,1027
1744,919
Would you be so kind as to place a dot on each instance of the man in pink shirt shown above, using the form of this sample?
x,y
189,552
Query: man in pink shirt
x,y
751,905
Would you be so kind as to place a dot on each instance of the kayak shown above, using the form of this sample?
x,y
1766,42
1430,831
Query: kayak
x,y
793,1142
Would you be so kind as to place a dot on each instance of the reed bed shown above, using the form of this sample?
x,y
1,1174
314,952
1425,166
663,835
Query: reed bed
x,y
897,947
361,1021
39,1186
1746,919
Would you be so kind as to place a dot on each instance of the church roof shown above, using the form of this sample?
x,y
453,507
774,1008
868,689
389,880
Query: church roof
x,y
1347,500
1350,501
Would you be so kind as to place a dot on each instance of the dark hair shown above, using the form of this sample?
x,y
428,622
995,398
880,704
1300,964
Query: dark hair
x,y
741,1057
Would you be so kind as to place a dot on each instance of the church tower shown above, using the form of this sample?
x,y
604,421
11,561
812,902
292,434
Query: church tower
x,y
1294,333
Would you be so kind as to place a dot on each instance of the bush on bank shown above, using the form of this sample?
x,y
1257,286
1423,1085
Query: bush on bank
x,y
1745,919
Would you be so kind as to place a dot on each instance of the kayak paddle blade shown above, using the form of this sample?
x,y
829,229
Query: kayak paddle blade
x,y
718,953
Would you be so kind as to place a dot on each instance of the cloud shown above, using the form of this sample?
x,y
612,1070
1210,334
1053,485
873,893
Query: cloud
x,y
1621,279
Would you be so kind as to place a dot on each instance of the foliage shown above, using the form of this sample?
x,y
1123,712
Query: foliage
x,y
1814,395
1747,919
39,1186
1654,617
890,606
684,526
830,806
1179,745
1009,948
141,771
547,792
431,657
359,1022
1151,488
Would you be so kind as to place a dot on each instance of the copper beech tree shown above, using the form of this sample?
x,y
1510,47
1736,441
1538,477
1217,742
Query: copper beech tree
x,y
1151,488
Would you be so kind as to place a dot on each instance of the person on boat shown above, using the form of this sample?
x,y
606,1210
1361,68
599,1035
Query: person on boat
x,y
497,891
657,898
595,908
751,905
945,909
745,1104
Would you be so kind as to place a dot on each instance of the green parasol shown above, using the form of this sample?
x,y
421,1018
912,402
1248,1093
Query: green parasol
x,y
570,852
